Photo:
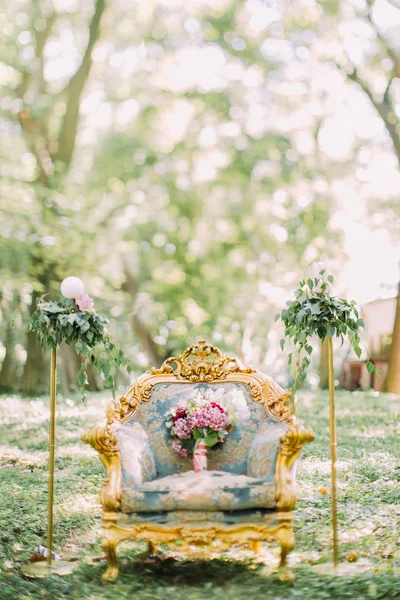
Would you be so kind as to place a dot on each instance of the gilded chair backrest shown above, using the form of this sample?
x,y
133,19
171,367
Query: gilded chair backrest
x,y
201,366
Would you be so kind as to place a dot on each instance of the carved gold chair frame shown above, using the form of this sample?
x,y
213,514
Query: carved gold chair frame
x,y
201,362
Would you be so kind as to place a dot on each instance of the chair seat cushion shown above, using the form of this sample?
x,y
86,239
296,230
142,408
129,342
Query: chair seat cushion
x,y
209,490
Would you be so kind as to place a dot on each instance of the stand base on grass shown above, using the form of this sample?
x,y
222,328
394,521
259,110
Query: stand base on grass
x,y
40,570
344,569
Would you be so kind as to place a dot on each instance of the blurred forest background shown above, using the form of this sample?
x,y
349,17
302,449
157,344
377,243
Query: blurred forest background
x,y
188,159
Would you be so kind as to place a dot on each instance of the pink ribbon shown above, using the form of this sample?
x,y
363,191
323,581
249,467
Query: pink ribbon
x,y
200,457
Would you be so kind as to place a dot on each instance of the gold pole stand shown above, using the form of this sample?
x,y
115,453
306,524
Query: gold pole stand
x,y
332,430
40,569
334,568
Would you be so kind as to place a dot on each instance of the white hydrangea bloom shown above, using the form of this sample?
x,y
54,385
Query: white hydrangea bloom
x,y
236,404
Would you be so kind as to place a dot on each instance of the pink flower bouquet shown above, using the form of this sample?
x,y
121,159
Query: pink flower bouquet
x,y
204,420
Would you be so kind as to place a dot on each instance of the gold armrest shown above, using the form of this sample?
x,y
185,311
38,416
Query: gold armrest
x,y
104,441
291,444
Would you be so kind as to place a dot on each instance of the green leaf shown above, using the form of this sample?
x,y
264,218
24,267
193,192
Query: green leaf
x,y
276,318
309,349
109,381
197,434
301,376
330,279
310,283
84,348
81,378
106,368
330,331
370,367
85,327
360,323
358,351
211,439
282,344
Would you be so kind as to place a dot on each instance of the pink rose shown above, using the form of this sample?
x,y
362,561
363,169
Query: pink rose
x,y
84,302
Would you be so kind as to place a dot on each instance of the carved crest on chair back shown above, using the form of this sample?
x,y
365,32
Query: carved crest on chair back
x,y
199,363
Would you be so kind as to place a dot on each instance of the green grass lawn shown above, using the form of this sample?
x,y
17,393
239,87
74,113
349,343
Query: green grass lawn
x,y
369,511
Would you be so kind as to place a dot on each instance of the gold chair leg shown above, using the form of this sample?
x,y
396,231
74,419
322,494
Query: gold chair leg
x,y
151,549
286,540
110,548
255,545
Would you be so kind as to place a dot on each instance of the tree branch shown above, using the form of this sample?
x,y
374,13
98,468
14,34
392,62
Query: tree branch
x,y
395,3
384,109
36,144
41,39
142,333
68,131
33,128
396,62
390,50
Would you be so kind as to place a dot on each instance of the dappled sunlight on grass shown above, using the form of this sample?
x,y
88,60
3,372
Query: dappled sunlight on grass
x,y
76,450
79,503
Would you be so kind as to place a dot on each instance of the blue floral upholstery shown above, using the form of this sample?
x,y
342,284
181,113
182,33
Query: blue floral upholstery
x,y
137,459
233,453
209,491
241,475
264,450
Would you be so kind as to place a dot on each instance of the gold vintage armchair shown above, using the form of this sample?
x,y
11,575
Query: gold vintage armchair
x,y
151,494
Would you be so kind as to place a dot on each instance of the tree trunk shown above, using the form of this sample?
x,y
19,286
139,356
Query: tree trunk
x,y
7,380
392,382
92,385
53,158
36,370
323,366
70,364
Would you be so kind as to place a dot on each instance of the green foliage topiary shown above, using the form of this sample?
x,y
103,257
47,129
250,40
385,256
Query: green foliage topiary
x,y
316,312
54,322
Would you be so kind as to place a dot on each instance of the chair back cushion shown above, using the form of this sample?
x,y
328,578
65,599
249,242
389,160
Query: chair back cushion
x,y
137,459
230,456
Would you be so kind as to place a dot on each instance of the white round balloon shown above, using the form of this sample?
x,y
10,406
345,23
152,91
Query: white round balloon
x,y
72,287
